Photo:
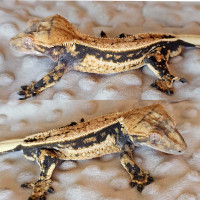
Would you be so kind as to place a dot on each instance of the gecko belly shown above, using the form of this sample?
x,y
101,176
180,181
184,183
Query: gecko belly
x,y
91,64
92,151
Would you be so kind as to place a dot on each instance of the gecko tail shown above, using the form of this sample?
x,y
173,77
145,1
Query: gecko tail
x,y
10,145
190,40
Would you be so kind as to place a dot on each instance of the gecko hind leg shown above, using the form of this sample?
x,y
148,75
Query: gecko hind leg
x,y
47,81
157,60
47,161
139,178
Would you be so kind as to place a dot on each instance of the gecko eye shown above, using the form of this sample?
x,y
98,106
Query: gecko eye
x,y
154,138
28,42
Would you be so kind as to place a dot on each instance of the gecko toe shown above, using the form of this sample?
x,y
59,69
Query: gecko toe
x,y
27,185
153,85
133,184
150,180
169,92
24,98
34,94
50,190
21,92
183,80
24,185
140,188
24,87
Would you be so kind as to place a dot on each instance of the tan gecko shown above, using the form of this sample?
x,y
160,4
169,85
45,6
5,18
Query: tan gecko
x,y
118,132
70,49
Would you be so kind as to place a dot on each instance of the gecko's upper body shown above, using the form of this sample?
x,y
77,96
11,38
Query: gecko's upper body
x,y
55,37
150,126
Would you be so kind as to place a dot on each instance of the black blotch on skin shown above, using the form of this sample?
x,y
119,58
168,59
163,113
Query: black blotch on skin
x,y
39,84
122,35
51,79
129,167
29,151
103,34
79,143
72,124
31,140
46,163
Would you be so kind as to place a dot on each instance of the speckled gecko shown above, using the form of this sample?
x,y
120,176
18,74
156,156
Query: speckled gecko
x,y
118,132
55,37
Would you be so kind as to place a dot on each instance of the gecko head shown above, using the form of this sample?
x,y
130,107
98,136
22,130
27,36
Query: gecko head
x,y
167,140
156,129
41,36
32,39
24,43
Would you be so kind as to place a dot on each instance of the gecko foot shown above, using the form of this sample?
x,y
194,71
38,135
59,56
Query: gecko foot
x,y
40,188
164,86
37,198
27,91
141,181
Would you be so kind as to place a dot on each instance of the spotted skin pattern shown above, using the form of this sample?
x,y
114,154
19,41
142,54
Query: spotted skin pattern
x,y
70,49
117,132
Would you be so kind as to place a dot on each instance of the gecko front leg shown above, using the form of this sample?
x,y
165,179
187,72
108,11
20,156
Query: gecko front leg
x,y
47,81
157,60
47,161
139,178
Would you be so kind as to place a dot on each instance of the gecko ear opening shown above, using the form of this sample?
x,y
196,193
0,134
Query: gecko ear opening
x,y
28,42
154,138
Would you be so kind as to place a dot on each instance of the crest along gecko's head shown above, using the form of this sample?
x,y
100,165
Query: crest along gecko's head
x,y
42,35
153,127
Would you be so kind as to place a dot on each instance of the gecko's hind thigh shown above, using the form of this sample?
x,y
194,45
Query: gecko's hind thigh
x,y
157,60
47,161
